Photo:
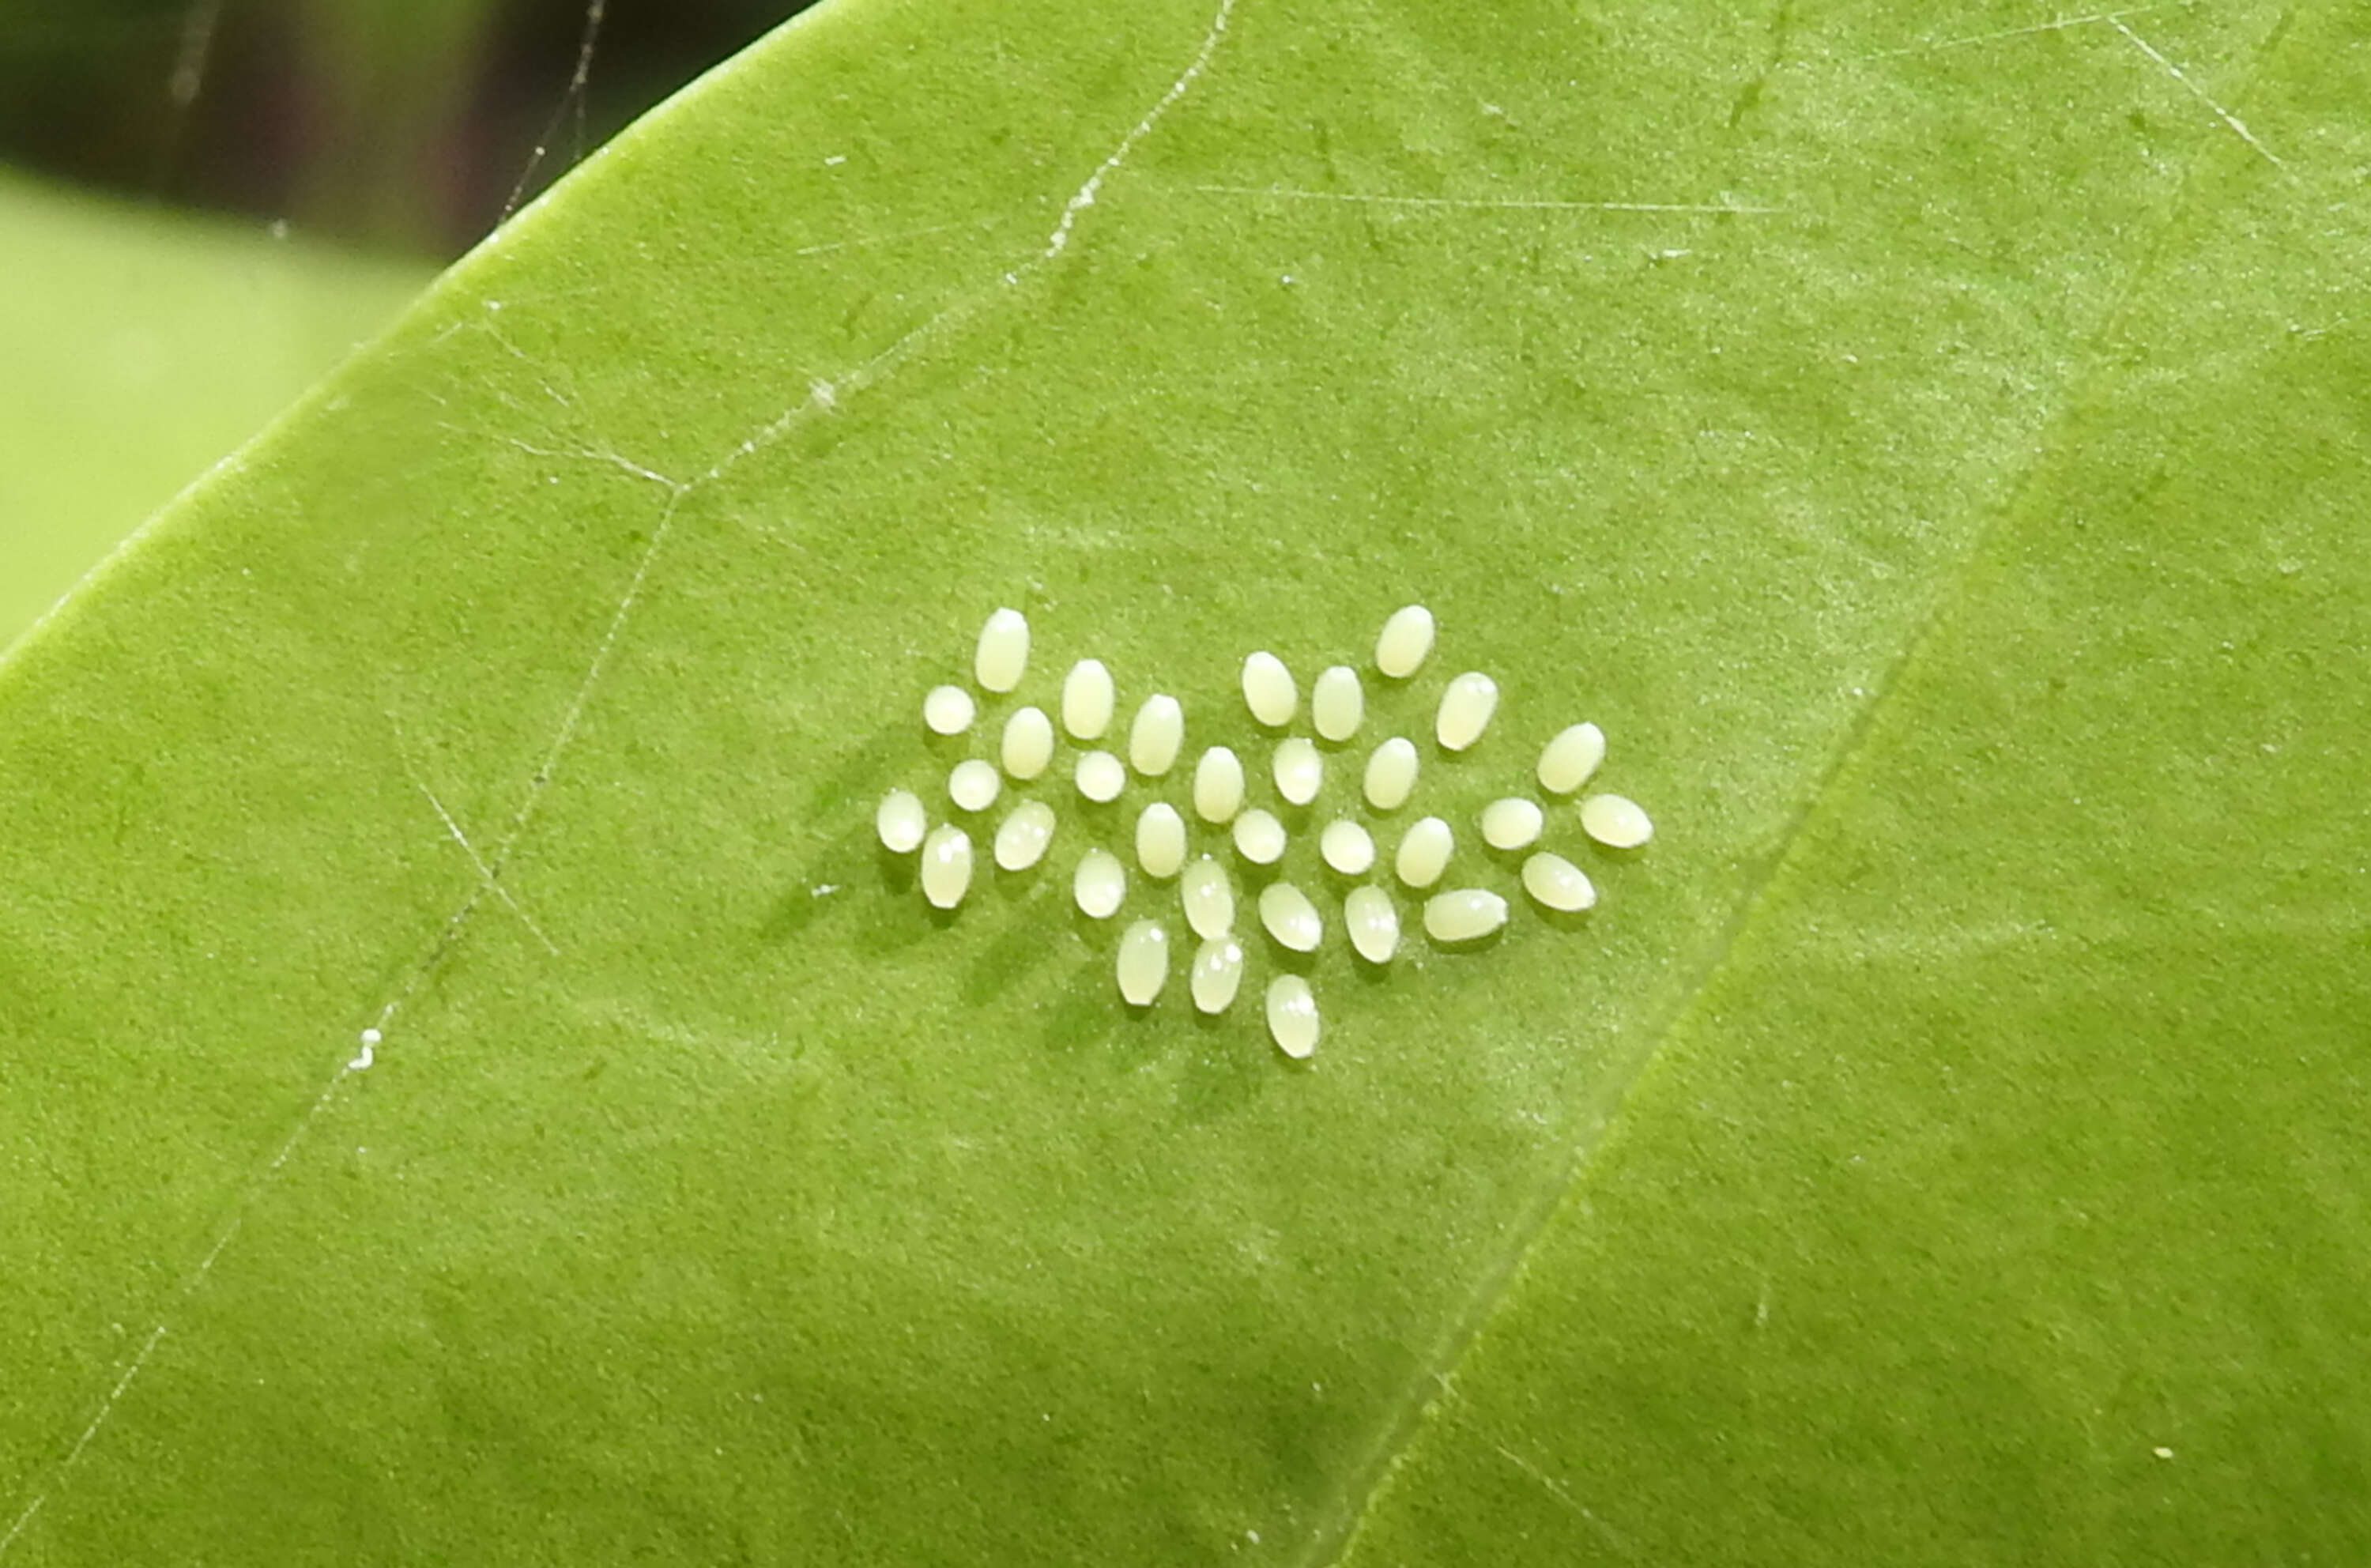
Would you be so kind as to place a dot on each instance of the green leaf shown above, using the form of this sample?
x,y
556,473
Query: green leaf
x,y
139,348
1936,464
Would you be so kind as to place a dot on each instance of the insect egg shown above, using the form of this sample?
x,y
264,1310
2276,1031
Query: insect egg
x,y
946,865
1615,821
1571,758
1346,847
1003,652
1022,839
1374,924
1292,1016
1210,894
1511,823
1289,917
1218,786
1087,700
1405,640
1468,915
1465,709
1268,690
1300,770
1259,838
1391,774
901,822
1557,883
948,710
1160,840
1423,852
1156,735
1028,743
1099,884
1143,964
1209,901
1336,705
1218,973
1100,776
973,784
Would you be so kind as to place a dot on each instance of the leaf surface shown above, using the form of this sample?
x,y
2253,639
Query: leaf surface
x,y
1880,435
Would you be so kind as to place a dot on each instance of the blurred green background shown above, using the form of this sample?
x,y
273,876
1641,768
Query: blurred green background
x,y
206,203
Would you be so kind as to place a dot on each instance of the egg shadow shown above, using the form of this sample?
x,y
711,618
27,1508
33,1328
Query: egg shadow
x,y
1099,936
860,776
1572,922
1017,952
1229,1074
1487,942
846,865
1256,879
1285,960
1090,1018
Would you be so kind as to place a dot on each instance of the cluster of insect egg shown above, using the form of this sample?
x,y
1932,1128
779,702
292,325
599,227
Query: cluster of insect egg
x,y
1156,737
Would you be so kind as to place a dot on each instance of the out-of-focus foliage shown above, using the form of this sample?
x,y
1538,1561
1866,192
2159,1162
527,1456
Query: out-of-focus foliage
x,y
139,348
402,123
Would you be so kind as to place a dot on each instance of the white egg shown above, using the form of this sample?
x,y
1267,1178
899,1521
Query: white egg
x,y
1557,883
1423,852
1022,838
1218,786
973,784
1466,704
1465,916
1406,639
1300,770
901,822
1100,776
948,710
1567,762
1218,973
1373,922
1268,690
1088,699
947,866
1337,705
1513,823
1292,1016
1391,774
1209,898
1100,884
1156,735
1143,964
1160,840
1289,917
1259,838
1615,821
1028,747
1346,847
1003,652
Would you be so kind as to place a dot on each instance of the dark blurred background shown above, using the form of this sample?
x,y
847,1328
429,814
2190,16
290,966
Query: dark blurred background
x,y
401,126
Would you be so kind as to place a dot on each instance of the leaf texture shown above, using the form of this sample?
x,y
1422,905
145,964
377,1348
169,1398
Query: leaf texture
x,y
1929,451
